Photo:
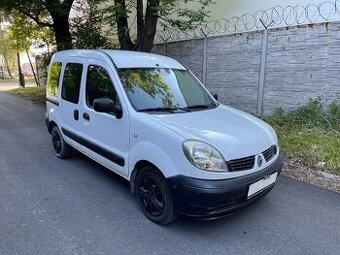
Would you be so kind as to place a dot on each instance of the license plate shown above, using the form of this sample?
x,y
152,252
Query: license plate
x,y
261,184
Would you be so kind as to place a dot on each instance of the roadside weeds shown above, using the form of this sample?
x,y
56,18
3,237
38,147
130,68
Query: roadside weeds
x,y
33,94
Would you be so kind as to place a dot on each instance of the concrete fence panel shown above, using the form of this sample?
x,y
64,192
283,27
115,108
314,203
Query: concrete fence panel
x,y
233,64
259,74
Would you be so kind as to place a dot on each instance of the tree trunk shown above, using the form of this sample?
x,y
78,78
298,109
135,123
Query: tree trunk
x,y
60,15
21,76
62,33
140,23
150,27
7,67
35,77
123,27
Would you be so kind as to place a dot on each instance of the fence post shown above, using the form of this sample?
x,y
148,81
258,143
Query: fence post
x,y
260,93
165,46
205,55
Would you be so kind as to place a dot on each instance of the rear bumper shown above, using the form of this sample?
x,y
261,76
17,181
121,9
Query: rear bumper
x,y
216,198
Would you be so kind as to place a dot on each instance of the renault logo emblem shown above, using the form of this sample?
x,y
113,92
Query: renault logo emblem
x,y
259,161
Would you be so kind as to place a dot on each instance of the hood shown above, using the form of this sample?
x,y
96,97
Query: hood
x,y
234,133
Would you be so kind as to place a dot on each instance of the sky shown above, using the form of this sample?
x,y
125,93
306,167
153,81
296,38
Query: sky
x,y
230,8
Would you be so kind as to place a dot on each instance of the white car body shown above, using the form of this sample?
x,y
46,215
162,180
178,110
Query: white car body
x,y
156,138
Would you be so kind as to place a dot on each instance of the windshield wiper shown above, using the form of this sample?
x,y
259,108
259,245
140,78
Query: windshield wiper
x,y
158,109
198,106
172,109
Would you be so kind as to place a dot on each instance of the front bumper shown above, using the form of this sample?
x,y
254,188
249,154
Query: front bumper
x,y
216,198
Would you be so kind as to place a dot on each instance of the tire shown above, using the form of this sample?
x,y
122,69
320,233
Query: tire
x,y
154,196
61,148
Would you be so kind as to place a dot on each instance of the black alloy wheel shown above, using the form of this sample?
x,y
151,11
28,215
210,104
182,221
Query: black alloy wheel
x,y
61,148
151,196
154,196
56,140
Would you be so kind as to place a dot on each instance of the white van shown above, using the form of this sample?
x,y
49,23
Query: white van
x,y
149,119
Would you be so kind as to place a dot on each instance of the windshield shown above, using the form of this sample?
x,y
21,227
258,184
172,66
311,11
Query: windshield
x,y
161,89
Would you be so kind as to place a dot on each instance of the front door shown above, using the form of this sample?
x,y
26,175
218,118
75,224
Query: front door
x,y
105,136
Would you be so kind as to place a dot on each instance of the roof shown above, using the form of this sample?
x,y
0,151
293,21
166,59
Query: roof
x,y
123,58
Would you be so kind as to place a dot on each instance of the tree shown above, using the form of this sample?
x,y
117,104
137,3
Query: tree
x,y
163,13
87,28
145,15
25,32
46,13
7,52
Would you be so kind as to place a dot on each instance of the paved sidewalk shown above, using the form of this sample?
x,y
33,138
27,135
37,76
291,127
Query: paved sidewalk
x,y
12,84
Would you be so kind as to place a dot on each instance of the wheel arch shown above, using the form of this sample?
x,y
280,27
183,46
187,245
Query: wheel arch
x,y
51,125
138,167
146,153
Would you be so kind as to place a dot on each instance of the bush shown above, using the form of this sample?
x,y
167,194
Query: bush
x,y
310,133
315,114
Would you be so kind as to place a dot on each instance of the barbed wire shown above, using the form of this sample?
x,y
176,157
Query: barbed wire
x,y
277,16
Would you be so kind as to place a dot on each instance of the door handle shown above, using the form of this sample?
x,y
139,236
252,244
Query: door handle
x,y
86,116
76,114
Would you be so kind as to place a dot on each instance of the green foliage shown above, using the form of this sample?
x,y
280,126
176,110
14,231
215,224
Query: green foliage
x,y
44,60
7,52
52,14
315,114
22,31
334,114
35,9
87,30
113,12
311,132
183,14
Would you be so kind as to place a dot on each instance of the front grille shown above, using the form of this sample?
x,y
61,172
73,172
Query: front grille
x,y
269,153
241,164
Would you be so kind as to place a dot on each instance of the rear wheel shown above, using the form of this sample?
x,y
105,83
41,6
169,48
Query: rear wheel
x,y
154,196
61,148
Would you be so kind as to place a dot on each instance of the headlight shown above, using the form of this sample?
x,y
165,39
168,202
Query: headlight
x,y
204,156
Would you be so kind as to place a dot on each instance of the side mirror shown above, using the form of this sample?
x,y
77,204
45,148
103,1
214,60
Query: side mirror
x,y
215,96
106,105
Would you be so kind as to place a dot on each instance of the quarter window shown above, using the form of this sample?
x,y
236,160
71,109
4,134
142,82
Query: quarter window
x,y
71,82
53,79
99,85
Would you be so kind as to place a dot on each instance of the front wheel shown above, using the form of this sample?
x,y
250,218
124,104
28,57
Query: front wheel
x,y
61,148
154,196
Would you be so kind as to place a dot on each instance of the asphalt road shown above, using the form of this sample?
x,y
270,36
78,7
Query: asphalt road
x,y
75,206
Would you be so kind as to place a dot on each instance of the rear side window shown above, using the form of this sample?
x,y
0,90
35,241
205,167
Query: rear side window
x,y
53,79
71,82
99,85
